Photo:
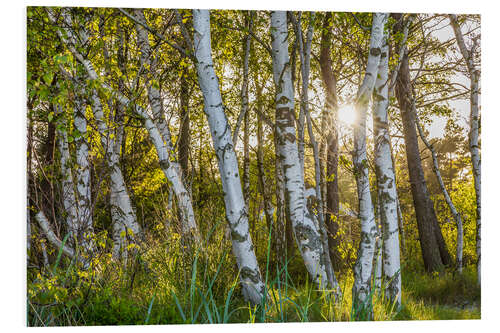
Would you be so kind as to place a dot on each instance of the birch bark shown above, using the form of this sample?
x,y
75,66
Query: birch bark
x,y
386,181
189,226
474,74
170,170
306,232
68,192
364,263
82,176
124,220
236,211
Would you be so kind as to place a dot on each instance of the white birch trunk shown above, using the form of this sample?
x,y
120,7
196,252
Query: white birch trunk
x,y
169,169
306,232
148,61
244,86
82,176
473,132
122,214
51,236
68,194
386,182
236,211
364,263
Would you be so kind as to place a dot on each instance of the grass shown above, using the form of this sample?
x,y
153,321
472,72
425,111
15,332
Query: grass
x,y
166,285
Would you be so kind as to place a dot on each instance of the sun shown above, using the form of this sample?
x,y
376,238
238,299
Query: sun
x,y
347,114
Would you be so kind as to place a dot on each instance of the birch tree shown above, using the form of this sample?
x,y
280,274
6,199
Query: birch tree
x,y
474,74
386,180
236,210
364,262
123,216
306,233
149,62
169,169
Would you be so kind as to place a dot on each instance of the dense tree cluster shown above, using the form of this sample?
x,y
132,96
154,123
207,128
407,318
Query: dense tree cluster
x,y
301,137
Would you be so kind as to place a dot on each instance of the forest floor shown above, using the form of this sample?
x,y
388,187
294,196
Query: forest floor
x,y
128,297
441,297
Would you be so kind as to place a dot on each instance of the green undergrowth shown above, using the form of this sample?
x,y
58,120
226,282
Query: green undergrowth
x,y
172,284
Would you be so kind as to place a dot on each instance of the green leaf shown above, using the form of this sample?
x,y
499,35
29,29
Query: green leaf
x,y
47,77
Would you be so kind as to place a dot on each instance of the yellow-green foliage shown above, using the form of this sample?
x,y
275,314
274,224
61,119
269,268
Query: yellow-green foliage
x,y
170,282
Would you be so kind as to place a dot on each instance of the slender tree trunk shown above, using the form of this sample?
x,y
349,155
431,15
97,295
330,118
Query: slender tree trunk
x,y
473,132
434,250
386,181
330,112
364,263
82,176
68,192
276,232
456,215
184,131
377,273
282,218
236,211
44,224
189,226
306,233
124,220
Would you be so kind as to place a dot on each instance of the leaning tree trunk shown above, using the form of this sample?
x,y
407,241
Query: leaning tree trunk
x,y
189,227
184,131
306,232
163,150
386,180
361,290
236,211
124,220
434,250
473,132
456,215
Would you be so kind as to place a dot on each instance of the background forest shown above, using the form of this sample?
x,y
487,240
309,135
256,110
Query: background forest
x,y
195,166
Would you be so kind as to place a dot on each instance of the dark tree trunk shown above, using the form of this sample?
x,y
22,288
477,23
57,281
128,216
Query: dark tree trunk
x,y
184,137
434,251
330,112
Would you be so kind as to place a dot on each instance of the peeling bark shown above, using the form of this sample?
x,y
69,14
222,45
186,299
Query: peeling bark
x,y
474,74
386,183
306,233
236,211
361,290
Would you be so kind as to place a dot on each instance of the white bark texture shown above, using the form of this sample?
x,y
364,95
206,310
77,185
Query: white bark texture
x,y
44,224
244,85
68,192
170,171
364,263
82,177
386,181
123,217
473,132
148,61
236,211
306,232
